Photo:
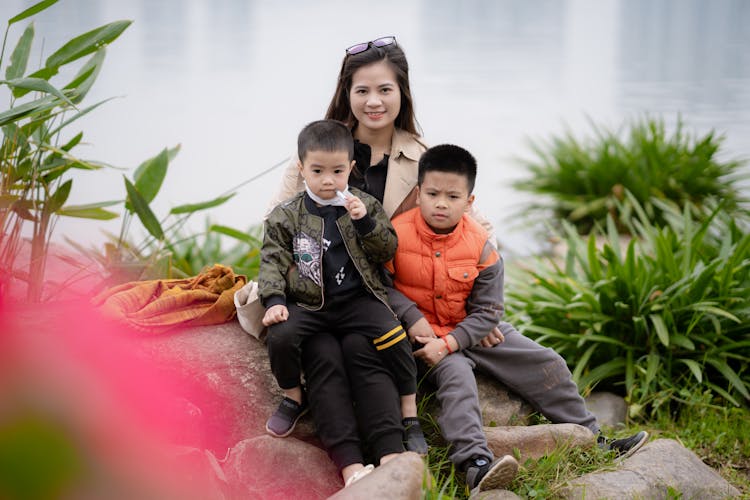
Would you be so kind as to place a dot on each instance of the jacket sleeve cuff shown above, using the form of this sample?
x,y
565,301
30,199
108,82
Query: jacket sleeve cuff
x,y
274,300
411,316
462,337
365,225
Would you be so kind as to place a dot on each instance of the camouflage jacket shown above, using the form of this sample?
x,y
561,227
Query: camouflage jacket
x,y
291,259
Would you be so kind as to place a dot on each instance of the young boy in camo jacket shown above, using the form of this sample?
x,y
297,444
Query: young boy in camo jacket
x,y
320,270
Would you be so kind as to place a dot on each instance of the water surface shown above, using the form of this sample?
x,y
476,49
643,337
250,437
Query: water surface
x,y
233,81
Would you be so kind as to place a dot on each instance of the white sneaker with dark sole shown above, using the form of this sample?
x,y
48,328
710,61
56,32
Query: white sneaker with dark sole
x,y
482,475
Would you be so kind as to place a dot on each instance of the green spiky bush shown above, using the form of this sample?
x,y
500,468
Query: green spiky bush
x,y
583,181
657,318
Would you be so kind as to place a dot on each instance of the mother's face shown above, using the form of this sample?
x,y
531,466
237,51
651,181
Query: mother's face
x,y
375,96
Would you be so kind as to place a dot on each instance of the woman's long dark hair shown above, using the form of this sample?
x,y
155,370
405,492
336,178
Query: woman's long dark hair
x,y
340,108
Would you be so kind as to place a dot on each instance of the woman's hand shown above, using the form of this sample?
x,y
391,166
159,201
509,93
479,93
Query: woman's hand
x,y
355,207
421,328
275,314
495,337
433,352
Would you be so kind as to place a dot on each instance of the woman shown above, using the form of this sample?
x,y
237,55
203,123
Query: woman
x,y
373,97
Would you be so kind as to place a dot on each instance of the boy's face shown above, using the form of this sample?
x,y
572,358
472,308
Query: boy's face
x,y
326,171
443,198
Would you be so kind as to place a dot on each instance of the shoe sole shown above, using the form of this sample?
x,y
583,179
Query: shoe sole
x,y
500,475
291,429
359,475
637,446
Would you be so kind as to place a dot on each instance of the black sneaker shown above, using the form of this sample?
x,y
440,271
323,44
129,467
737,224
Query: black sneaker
x,y
282,422
413,436
624,447
483,475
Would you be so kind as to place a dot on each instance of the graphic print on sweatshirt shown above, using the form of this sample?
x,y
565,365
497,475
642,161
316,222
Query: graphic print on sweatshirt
x,y
308,256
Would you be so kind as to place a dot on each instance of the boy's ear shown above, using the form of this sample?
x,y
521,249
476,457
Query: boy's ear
x,y
417,191
469,203
351,165
299,165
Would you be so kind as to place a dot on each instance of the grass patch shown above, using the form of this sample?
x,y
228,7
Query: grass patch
x,y
718,435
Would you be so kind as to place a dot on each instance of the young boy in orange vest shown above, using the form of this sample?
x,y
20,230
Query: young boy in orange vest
x,y
448,280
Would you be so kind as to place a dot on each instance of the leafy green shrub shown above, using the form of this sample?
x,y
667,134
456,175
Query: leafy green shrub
x,y
658,318
584,180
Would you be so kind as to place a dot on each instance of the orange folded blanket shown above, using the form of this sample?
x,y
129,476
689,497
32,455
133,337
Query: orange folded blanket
x,y
157,305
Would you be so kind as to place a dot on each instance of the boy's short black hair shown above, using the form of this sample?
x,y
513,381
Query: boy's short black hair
x,y
448,158
325,135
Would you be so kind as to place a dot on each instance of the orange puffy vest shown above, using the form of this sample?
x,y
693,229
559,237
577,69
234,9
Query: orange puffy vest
x,y
437,271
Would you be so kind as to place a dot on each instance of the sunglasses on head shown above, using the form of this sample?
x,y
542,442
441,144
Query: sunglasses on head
x,y
378,42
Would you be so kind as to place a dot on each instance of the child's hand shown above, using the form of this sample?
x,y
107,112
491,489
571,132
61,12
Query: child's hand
x,y
421,328
495,337
433,352
275,314
355,207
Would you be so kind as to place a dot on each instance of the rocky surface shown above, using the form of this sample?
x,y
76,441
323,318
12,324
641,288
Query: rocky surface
x,y
610,409
225,393
233,367
660,469
267,467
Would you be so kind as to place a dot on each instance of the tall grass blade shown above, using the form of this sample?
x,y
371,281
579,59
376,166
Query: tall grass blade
x,y
86,43
150,175
195,207
34,9
19,58
143,211
36,84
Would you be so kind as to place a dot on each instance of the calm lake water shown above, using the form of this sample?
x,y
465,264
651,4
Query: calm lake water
x,y
233,81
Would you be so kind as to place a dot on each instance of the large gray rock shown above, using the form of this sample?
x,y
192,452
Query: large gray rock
x,y
610,409
535,441
494,495
228,382
398,479
498,404
201,471
659,470
274,468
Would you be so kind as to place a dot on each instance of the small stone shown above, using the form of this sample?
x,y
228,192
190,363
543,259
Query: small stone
x,y
610,409
398,479
535,441
267,467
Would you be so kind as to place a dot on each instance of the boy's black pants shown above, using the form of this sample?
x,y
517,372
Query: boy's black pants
x,y
364,315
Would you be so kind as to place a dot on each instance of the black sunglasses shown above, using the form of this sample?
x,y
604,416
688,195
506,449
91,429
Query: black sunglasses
x,y
378,42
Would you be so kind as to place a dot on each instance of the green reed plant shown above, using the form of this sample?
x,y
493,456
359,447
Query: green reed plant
x,y
584,180
35,156
37,160
657,317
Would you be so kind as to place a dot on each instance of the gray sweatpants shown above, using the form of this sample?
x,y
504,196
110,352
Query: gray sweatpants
x,y
537,374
